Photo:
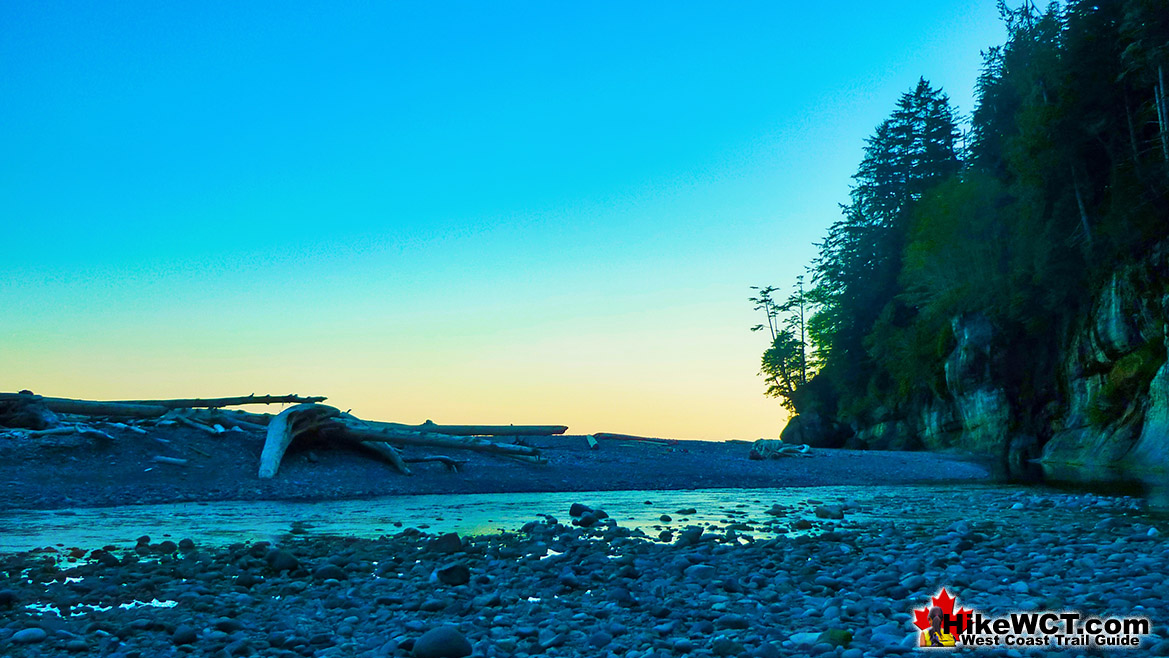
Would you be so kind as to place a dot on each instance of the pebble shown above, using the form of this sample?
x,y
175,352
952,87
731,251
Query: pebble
x,y
830,512
184,635
447,543
571,591
600,639
454,574
700,572
29,636
329,572
442,642
280,560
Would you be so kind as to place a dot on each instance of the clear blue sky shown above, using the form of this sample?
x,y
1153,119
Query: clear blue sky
x,y
472,212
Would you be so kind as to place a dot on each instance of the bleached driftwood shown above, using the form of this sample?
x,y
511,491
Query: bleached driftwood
x,y
70,429
776,449
366,430
609,436
454,464
215,403
380,438
305,418
147,408
231,418
430,427
287,425
388,452
185,419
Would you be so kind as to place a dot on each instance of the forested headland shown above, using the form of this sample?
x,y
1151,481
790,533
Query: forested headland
x,y
996,282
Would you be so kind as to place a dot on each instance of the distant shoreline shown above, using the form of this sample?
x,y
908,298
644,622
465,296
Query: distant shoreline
x,y
74,471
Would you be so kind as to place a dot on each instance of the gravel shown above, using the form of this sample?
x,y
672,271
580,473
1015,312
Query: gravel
x,y
846,587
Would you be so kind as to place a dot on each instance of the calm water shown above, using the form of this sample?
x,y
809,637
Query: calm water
x,y
231,521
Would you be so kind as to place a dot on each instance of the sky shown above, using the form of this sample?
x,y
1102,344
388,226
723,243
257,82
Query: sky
x,y
466,212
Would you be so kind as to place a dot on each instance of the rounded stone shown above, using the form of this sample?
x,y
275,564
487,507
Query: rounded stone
x,y
600,639
329,572
282,561
184,635
442,642
29,636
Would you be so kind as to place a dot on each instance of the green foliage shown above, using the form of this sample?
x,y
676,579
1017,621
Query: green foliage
x,y
856,273
1065,176
782,367
785,364
1129,378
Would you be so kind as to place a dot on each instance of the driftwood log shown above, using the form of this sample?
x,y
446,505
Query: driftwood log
x,y
429,427
365,430
147,408
382,437
289,424
215,403
609,436
306,417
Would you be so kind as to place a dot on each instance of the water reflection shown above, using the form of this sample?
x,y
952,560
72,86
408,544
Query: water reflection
x,y
219,523
756,512
1153,487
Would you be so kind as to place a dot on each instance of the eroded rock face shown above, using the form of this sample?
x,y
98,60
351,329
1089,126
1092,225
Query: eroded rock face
x,y
981,406
1115,379
892,433
1152,448
974,414
1112,406
815,430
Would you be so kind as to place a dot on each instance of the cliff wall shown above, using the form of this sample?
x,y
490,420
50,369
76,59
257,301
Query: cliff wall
x,y
1108,409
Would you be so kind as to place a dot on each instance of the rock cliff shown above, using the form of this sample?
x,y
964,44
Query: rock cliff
x,y
1108,409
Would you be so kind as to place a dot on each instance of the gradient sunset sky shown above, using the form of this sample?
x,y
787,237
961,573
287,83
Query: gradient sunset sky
x,y
469,212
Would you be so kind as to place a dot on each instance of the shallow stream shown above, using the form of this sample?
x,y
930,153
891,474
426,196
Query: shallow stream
x,y
220,523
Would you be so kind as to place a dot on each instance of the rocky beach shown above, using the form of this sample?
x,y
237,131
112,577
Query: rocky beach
x,y
827,553
823,577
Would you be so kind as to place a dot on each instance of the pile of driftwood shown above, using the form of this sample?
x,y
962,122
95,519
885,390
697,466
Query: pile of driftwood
x,y
36,415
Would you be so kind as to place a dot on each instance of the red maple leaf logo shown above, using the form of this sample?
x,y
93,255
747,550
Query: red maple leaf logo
x,y
943,600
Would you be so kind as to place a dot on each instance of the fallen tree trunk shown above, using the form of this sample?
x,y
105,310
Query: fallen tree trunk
x,y
92,408
215,403
56,431
229,417
449,462
480,430
147,408
388,452
304,418
286,426
365,430
629,437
